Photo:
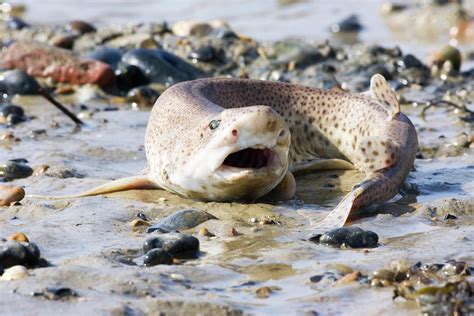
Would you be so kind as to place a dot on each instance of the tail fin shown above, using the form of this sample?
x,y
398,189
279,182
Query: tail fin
x,y
124,184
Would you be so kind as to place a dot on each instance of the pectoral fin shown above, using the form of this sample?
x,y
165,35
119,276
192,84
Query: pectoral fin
x,y
130,183
378,153
310,166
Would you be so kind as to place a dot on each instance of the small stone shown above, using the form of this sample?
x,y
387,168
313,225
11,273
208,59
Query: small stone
x,y
15,253
348,278
263,292
15,170
181,220
65,41
362,239
81,27
375,282
205,53
205,232
14,273
450,216
316,278
157,256
386,282
9,195
349,24
142,216
253,220
18,237
142,96
384,274
139,223
177,244
234,232
18,82
57,293
40,170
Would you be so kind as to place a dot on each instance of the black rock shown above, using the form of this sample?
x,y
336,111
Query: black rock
x,y
108,55
81,27
143,96
15,170
353,237
349,24
12,109
157,256
316,278
409,61
18,82
14,253
161,66
181,220
57,293
204,53
15,23
129,77
362,239
177,244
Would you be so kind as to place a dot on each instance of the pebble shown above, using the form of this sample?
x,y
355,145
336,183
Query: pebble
x,y
15,253
204,53
139,223
157,256
265,291
65,41
16,23
143,96
384,274
177,244
21,237
61,65
18,82
14,273
348,278
107,55
41,169
15,170
181,220
447,54
349,24
204,232
161,66
353,237
233,232
9,195
81,27
57,293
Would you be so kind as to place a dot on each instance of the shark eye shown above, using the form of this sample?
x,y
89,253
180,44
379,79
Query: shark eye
x,y
214,124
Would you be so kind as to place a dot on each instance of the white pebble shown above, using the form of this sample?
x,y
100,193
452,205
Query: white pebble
x,y
14,273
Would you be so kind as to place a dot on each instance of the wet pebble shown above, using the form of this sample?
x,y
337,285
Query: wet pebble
x,y
353,237
15,170
205,232
447,54
161,66
108,55
18,82
157,256
16,23
9,195
129,77
14,253
12,115
349,24
18,237
348,278
65,41
204,53
177,244
143,96
181,220
14,273
81,27
57,293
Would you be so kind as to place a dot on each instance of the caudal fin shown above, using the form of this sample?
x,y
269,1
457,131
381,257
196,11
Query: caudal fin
x,y
130,183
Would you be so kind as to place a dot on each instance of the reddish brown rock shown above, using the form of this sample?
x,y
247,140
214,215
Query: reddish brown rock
x,y
40,60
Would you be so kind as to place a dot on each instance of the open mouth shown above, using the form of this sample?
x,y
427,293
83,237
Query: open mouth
x,y
249,158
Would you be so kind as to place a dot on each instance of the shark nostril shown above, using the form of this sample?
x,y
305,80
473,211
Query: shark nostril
x,y
282,133
235,132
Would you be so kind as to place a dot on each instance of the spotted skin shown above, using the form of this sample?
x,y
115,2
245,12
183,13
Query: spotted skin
x,y
366,129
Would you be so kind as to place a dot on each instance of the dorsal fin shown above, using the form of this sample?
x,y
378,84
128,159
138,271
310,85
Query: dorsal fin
x,y
380,91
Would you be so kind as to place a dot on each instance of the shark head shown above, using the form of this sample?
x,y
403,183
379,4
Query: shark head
x,y
243,155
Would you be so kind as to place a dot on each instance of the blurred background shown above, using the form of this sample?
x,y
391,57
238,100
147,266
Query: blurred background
x,y
417,27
